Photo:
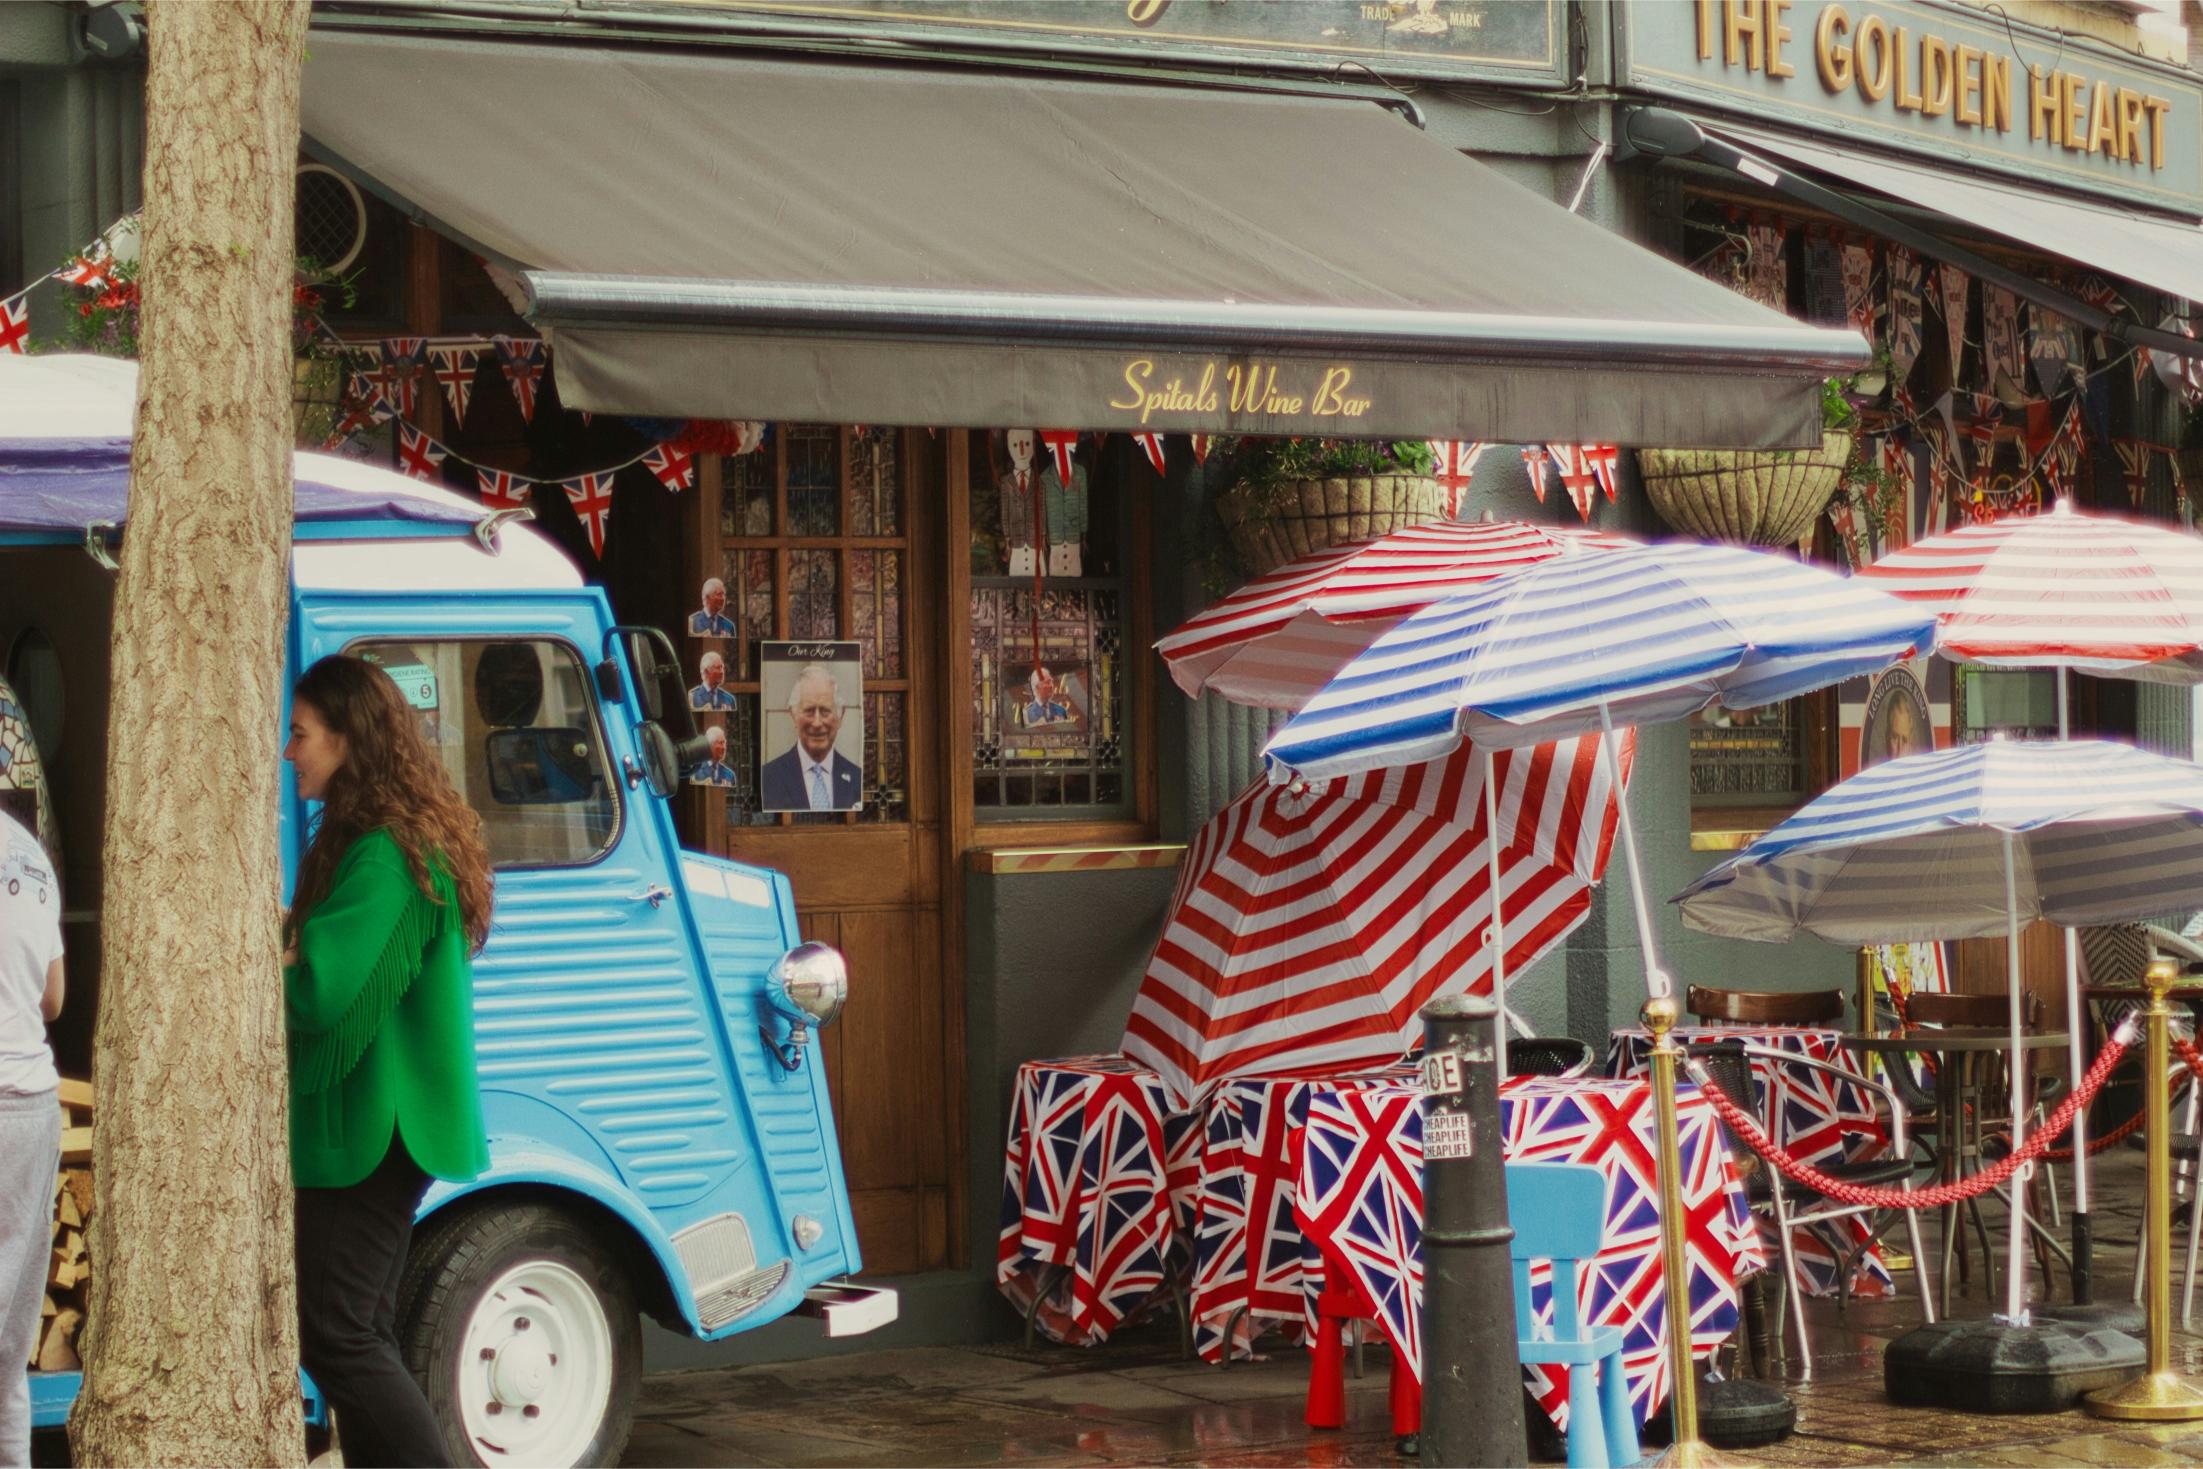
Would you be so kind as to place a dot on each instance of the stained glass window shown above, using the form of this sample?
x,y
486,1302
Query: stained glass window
x,y
803,578
1048,702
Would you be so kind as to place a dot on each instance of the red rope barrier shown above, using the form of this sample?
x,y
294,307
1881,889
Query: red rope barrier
x,y
1937,1195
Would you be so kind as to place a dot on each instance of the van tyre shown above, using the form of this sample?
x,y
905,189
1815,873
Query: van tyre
x,y
521,1325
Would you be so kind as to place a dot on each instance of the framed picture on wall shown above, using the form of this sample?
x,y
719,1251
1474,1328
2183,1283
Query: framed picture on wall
x,y
811,746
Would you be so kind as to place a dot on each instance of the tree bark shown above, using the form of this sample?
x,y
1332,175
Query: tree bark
x,y
191,1350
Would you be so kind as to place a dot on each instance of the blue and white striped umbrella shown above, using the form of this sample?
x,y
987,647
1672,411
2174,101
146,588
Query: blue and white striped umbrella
x,y
1562,648
1965,843
1914,849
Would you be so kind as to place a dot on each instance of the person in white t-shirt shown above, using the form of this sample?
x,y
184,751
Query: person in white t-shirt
x,y
30,1113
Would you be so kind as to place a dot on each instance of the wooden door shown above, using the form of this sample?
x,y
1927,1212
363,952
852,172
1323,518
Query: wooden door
x,y
832,532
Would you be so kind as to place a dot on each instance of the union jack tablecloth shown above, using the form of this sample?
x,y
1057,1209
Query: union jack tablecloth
x,y
1819,1118
1360,1195
1254,1268
1099,1176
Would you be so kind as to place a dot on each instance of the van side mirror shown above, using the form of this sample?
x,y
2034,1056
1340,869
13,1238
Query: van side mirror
x,y
661,760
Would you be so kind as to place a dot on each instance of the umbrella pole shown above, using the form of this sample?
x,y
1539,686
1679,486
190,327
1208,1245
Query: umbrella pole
x,y
1657,983
2015,1274
1499,935
2084,1290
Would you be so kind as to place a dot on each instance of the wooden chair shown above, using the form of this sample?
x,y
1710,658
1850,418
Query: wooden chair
x,y
1558,1211
1991,1012
1764,1007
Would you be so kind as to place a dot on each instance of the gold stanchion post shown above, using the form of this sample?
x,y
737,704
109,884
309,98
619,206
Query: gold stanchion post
x,y
2159,1395
1687,1451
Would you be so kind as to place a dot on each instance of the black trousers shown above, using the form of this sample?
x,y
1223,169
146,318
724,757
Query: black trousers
x,y
351,1250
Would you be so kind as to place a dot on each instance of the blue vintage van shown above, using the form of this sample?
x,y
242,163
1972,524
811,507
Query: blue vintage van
x,y
660,1136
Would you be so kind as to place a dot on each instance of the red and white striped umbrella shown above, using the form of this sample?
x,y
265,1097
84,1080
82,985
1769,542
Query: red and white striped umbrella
x,y
1312,921
2089,592
1278,639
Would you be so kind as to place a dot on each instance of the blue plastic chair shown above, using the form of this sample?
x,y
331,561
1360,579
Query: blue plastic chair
x,y
1559,1211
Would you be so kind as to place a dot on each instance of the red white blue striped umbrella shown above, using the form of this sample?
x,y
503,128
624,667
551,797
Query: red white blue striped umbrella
x,y
1313,921
1281,637
2104,595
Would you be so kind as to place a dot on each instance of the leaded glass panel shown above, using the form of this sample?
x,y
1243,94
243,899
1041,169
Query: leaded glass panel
x,y
814,479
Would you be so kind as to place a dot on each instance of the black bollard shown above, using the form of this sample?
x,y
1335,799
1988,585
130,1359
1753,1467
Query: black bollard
x,y
1472,1372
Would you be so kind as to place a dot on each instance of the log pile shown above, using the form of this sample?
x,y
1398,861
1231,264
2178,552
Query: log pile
x,y
68,1270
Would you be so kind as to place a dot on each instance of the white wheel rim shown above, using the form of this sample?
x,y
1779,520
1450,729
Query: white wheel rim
x,y
534,1375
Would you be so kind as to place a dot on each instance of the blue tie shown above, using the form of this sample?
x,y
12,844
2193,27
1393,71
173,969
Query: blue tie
x,y
820,800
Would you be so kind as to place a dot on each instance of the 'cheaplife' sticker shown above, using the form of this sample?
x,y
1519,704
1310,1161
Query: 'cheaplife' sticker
x,y
1445,1135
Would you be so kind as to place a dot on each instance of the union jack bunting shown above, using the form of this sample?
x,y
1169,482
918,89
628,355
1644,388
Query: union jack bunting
x,y
1086,1187
2135,458
674,468
1062,443
1856,262
2098,292
1578,475
15,325
455,368
419,456
1201,443
503,490
1904,308
404,360
2000,344
1819,1118
2053,348
1252,1261
1150,445
1534,460
88,270
1454,467
1360,1200
1951,287
521,360
591,497
1766,268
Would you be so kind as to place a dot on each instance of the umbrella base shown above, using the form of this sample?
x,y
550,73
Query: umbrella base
x,y
1738,1413
1988,1367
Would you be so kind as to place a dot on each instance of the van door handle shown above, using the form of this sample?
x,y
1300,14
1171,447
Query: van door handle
x,y
655,895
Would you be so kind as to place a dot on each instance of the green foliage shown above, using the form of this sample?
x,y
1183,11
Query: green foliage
x,y
1266,465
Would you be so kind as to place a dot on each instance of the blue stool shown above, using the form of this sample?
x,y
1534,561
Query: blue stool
x,y
1558,1211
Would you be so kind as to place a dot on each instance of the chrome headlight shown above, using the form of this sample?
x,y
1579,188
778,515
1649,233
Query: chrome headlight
x,y
809,984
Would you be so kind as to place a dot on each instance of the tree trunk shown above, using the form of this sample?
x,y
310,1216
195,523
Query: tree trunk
x,y
191,1345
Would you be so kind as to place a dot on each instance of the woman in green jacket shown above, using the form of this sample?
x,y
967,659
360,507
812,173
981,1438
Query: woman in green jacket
x,y
393,898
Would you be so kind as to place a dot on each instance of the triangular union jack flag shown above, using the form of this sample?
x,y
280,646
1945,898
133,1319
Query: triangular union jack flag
x,y
1150,444
1201,443
522,361
419,456
1063,443
88,270
404,359
15,325
674,468
591,497
1578,475
455,368
1454,467
502,489
1534,459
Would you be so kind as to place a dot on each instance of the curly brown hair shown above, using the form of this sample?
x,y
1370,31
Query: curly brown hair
x,y
390,780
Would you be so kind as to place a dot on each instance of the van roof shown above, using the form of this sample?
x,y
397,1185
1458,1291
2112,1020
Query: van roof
x,y
65,425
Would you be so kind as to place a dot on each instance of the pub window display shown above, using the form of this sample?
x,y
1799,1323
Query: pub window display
x,y
812,751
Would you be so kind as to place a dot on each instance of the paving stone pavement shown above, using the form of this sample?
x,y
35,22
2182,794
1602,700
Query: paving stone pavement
x,y
1133,1401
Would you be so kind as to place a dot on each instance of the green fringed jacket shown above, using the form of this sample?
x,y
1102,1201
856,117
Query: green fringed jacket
x,y
380,1008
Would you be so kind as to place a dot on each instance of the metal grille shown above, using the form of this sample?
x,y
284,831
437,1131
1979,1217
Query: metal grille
x,y
1759,759
1028,759
332,219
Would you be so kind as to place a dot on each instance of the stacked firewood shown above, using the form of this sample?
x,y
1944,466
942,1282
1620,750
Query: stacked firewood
x,y
68,1271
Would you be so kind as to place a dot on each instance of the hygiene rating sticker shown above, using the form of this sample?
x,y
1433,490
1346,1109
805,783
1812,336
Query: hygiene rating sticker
x,y
1445,1135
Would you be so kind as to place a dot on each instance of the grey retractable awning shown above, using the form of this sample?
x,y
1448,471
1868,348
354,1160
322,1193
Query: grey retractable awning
x,y
724,235
2150,250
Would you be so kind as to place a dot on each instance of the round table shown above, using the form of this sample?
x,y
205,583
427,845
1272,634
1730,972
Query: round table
x,y
1964,1049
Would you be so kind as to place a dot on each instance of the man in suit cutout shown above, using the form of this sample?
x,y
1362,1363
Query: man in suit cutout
x,y
714,770
712,694
813,776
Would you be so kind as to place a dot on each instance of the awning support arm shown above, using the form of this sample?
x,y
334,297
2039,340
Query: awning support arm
x,y
1658,132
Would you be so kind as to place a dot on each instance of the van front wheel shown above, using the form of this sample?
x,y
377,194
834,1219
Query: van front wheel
x,y
522,1328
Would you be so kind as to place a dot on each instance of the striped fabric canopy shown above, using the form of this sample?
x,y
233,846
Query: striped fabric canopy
x,y
1278,639
2089,592
1312,922
1913,849
1651,632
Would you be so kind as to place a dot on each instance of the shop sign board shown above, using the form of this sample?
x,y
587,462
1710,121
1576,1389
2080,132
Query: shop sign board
x,y
1440,38
1956,83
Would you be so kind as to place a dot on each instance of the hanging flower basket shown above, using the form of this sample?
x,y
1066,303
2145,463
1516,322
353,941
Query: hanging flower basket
x,y
1273,524
1750,497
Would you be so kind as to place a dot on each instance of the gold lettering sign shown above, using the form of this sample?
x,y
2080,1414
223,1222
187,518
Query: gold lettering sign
x,y
1895,68
1243,388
